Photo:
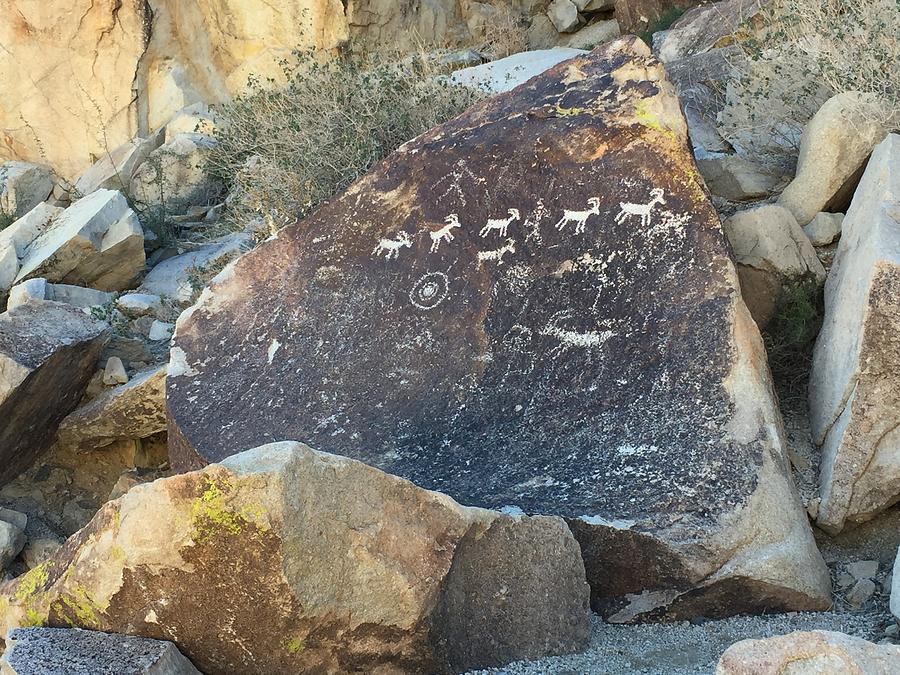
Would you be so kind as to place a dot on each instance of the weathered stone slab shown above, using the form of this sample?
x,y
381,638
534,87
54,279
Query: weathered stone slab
x,y
530,306
509,72
285,560
53,651
133,410
48,353
854,389
23,186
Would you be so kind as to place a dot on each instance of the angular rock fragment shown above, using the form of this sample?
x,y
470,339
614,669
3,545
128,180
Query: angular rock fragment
x,y
507,73
854,389
824,228
96,242
313,562
533,306
38,290
174,176
136,409
48,353
735,178
53,651
22,187
809,653
703,28
113,170
771,251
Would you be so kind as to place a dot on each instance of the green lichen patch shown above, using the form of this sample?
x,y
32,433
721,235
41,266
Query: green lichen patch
x,y
293,645
78,608
212,513
32,582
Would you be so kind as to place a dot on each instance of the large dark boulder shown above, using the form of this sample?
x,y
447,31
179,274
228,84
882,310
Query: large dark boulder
x,y
48,353
531,306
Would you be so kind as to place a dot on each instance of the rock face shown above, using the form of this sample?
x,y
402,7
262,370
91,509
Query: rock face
x,y
771,250
834,148
478,316
854,386
704,28
401,576
136,409
48,352
51,651
22,187
505,74
809,653
96,242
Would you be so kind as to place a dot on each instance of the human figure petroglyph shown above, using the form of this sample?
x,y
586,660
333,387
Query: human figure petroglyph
x,y
642,210
499,224
391,247
579,218
445,233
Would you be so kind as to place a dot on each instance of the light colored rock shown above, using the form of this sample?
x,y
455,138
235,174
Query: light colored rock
x,y
9,268
809,653
48,353
771,250
26,229
854,391
824,228
53,651
12,539
563,14
114,372
160,330
834,147
599,5
542,34
861,592
138,304
175,278
505,74
735,178
895,588
133,410
22,187
593,34
114,169
862,569
702,28
385,585
173,176
12,517
195,119
38,290
96,242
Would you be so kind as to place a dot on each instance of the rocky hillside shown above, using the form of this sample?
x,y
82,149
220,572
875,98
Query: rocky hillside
x,y
449,337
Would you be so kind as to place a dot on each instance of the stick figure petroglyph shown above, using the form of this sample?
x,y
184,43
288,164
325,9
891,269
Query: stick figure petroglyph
x,y
579,217
497,254
391,247
499,224
642,210
444,234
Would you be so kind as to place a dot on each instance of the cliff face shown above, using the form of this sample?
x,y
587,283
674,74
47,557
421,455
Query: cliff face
x,y
80,77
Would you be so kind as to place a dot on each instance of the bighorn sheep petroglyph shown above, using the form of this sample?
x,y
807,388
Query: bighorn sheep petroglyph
x,y
444,234
579,217
642,210
499,224
509,247
391,247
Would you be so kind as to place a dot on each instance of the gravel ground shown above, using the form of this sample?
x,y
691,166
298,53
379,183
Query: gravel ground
x,y
684,648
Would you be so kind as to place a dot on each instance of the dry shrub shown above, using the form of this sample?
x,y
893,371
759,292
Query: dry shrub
x,y
281,152
807,51
505,32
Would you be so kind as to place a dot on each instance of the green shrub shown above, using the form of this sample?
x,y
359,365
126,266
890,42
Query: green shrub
x,y
790,336
805,52
282,151
663,22
6,219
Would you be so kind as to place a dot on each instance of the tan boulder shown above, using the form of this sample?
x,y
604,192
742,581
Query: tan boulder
x,y
736,178
174,176
136,409
834,148
114,169
96,242
809,653
703,28
282,559
824,228
854,387
593,34
771,250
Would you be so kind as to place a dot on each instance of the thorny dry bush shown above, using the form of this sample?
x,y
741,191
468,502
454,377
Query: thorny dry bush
x,y
505,32
283,151
807,51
